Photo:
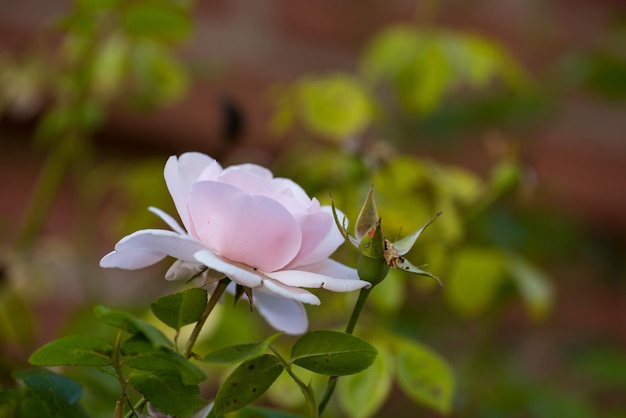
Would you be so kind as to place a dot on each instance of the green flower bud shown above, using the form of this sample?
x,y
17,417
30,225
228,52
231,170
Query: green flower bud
x,y
372,244
371,270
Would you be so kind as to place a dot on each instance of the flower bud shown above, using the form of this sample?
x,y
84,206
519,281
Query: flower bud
x,y
371,270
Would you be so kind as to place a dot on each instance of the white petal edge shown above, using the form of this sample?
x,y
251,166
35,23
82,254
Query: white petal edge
x,y
301,278
280,289
332,268
237,272
168,219
131,259
171,243
285,315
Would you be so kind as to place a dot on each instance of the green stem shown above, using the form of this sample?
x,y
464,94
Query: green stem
x,y
215,297
358,307
307,391
356,313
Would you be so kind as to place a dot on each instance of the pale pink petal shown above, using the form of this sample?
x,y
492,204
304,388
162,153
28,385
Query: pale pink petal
x,y
253,230
250,179
237,272
285,315
291,188
180,173
147,246
279,289
131,259
167,219
299,278
320,238
184,270
331,268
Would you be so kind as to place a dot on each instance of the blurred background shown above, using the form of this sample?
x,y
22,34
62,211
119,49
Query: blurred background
x,y
508,116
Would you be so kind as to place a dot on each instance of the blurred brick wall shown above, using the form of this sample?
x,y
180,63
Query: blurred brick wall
x,y
240,47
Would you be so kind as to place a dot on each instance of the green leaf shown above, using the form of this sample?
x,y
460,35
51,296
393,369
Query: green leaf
x,y
166,360
246,383
425,376
239,352
475,276
157,20
158,76
167,392
132,324
336,106
73,351
534,285
49,395
254,412
368,215
181,308
405,244
332,353
362,394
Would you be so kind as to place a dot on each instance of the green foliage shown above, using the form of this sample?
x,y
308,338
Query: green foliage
x,y
156,19
332,353
166,391
425,376
240,352
534,286
141,355
336,106
74,350
47,395
252,412
474,279
424,66
181,308
132,324
361,395
247,382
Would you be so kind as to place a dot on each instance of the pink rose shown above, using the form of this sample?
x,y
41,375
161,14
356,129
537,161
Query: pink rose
x,y
262,232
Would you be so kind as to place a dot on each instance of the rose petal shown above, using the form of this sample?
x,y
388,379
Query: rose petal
x,y
131,259
301,278
184,270
237,272
148,246
282,314
253,230
249,178
320,238
279,289
180,174
167,219
332,268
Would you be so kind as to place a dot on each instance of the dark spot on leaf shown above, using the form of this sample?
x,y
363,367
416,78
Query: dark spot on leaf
x,y
327,361
250,367
253,389
234,400
234,385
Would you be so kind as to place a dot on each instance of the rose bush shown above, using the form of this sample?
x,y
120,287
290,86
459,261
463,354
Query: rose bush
x,y
262,232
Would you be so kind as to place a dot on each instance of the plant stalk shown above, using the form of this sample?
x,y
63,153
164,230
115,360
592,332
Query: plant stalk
x,y
215,297
356,313
307,391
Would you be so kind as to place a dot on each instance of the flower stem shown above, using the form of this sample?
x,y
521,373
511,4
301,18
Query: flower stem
x,y
356,313
307,391
215,297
